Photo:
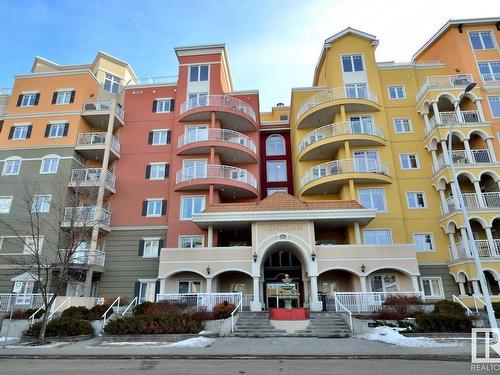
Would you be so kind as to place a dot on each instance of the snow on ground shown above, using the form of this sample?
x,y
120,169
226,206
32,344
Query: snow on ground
x,y
196,342
391,335
2,338
131,343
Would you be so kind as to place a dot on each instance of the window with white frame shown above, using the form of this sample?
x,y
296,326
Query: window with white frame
x,y
41,203
198,73
154,207
49,165
20,132
397,92
151,246
490,70
63,97
111,83
33,244
276,170
481,40
494,102
195,133
384,283
189,242
157,171
409,161
352,63
159,137
416,199
402,125
191,205
271,191
377,236
11,166
197,99
189,286
432,287
194,168
28,100
5,204
423,242
57,130
372,198
356,90
147,290
164,105
275,145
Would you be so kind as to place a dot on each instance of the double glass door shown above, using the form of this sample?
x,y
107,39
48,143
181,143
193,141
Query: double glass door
x,y
194,169
366,161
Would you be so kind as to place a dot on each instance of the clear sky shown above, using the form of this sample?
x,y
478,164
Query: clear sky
x,y
273,44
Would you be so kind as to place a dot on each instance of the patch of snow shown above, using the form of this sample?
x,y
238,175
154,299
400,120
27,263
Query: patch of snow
x,y
132,343
2,338
205,333
195,342
391,335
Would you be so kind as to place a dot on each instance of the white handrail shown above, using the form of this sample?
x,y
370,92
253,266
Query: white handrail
x,y
445,81
223,101
32,317
456,299
129,305
216,134
224,172
117,301
339,304
476,298
236,309
58,307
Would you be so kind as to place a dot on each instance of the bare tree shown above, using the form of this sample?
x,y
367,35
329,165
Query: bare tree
x,y
60,223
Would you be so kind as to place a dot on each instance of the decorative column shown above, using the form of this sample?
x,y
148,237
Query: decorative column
x,y
209,285
455,197
255,305
306,292
465,242
446,157
435,162
210,236
477,102
316,305
491,241
444,204
362,282
453,246
427,123
476,288
415,284
437,116
491,150
479,194
461,287
468,152
458,113
357,233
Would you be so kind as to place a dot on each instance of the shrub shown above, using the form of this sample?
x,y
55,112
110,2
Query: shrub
x,y
447,307
96,312
160,324
202,315
142,308
75,312
159,308
18,314
223,310
62,327
439,322
399,307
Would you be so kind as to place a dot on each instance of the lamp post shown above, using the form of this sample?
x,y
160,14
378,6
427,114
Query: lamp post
x,y
457,192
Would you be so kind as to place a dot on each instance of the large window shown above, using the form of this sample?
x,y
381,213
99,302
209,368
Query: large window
x,y
20,132
187,242
494,102
111,83
271,191
276,170
151,246
190,286
57,130
191,205
423,242
154,207
481,40
356,90
63,97
275,145
41,203
28,100
11,166
147,290
432,287
49,165
164,105
397,92
159,137
194,168
377,237
490,71
384,283
372,198
402,125
5,203
409,161
352,63
198,73
195,133
416,199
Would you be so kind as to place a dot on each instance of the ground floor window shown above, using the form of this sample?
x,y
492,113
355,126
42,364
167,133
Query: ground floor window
x,y
75,289
189,286
147,291
432,287
384,283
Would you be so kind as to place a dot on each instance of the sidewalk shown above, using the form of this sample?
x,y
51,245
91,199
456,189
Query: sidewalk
x,y
234,347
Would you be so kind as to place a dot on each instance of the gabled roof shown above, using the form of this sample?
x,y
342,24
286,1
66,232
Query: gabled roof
x,y
448,25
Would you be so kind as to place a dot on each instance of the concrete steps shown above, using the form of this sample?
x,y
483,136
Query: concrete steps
x,y
325,324
256,324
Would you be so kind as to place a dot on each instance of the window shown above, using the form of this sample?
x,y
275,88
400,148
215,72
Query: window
x,y
159,137
56,130
32,245
352,63
111,83
384,283
416,199
41,203
356,90
151,247
28,100
271,191
189,287
275,145
75,289
5,203
20,132
63,97
191,205
361,124
490,71
198,73
397,92
481,40
187,242
197,99
194,168
147,291
276,171
154,207
409,161
196,133
156,171
432,287
423,241
365,161
402,125
494,102
163,105
49,165
24,292
11,166
283,117
377,237
372,198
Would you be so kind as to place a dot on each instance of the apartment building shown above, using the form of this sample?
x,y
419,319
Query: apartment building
x,y
346,190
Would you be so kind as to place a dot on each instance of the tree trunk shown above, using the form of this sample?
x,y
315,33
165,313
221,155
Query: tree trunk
x,y
41,335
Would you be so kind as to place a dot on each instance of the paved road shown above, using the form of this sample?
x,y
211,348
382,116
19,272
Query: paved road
x,y
223,367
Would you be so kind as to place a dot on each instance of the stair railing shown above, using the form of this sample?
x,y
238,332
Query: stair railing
x,y
476,300
134,302
343,310
67,300
238,306
117,302
32,316
458,300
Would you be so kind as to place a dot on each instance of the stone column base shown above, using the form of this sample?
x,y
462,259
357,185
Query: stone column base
x,y
255,306
316,306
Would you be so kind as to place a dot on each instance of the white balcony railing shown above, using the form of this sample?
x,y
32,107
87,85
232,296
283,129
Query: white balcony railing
x,y
201,301
224,172
11,301
86,216
457,119
99,138
490,77
224,135
91,175
336,167
336,94
160,80
85,256
102,106
342,128
369,301
443,82
223,101
472,201
462,157
484,247
6,91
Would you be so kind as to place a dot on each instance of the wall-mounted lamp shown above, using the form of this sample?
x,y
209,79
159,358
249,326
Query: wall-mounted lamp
x,y
255,257
208,270
313,256
363,268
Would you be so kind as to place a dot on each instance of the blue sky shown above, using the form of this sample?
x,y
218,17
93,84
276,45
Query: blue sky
x,y
273,45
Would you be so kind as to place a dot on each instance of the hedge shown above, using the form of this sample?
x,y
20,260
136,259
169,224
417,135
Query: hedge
x,y
160,324
438,322
26,314
82,313
62,327
447,307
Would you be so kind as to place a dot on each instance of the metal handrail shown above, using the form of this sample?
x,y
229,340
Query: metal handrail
x,y
216,171
92,175
215,134
345,309
476,298
97,138
32,316
224,101
116,301
134,301
58,307
461,157
6,91
102,105
86,215
445,81
236,309
456,299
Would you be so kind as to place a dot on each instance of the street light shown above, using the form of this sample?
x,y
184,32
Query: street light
x,y
472,243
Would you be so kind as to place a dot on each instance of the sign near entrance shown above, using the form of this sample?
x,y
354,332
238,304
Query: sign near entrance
x,y
284,227
18,286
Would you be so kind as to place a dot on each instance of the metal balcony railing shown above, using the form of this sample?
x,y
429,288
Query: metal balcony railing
x,y
456,81
225,135
490,77
97,139
224,101
86,216
484,247
461,118
224,172
461,157
6,91
103,106
473,201
91,175
85,256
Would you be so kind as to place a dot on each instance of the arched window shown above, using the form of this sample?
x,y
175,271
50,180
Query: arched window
x,y
49,164
275,145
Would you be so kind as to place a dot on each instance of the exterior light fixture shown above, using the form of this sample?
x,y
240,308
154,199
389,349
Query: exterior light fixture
x,y
313,256
363,268
208,270
255,257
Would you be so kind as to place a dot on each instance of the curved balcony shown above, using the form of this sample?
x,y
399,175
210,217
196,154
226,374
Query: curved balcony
x,y
232,146
233,113
232,182
324,142
320,108
328,177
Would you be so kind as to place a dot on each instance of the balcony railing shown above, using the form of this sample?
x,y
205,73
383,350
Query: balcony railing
x,y
11,301
92,176
472,201
337,167
97,139
224,172
484,248
458,119
144,81
86,216
224,135
201,301
368,301
336,94
102,106
224,101
461,157
443,82
85,256
6,91
3,110
490,77
342,128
